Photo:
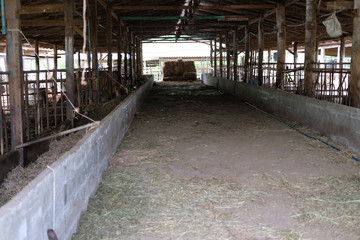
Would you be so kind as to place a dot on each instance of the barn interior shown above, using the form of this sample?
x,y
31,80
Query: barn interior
x,y
101,44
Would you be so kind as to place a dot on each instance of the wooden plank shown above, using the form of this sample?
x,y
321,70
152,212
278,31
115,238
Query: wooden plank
x,y
69,59
355,56
281,45
200,7
43,8
16,75
310,47
48,23
336,5
260,50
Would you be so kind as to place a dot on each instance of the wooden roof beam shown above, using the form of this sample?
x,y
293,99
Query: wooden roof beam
x,y
115,16
200,7
43,8
48,23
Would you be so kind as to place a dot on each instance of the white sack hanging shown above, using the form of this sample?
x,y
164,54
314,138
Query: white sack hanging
x,y
333,26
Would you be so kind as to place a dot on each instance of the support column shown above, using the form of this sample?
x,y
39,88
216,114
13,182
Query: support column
x,y
260,50
211,56
295,61
109,48
341,59
126,52
235,54
215,58
16,75
119,53
54,89
221,56
227,56
355,59
247,53
310,47
130,57
141,60
69,58
38,120
94,49
269,66
281,45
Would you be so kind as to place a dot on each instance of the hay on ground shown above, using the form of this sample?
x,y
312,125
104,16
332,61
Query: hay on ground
x,y
189,76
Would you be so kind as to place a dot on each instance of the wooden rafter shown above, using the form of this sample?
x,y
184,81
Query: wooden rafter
x,y
200,7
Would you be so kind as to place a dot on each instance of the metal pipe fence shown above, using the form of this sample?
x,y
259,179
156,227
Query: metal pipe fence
x,y
45,100
332,80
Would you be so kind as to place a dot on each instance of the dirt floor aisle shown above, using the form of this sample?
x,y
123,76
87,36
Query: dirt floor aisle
x,y
199,164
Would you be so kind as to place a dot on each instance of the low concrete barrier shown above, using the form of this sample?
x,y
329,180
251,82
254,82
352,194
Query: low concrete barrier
x,y
56,198
338,122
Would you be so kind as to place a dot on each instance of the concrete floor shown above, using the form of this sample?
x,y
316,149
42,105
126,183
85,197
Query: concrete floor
x,y
199,164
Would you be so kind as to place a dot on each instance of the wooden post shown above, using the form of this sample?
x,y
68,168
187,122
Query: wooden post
x,y
126,52
119,52
341,59
16,75
260,50
235,54
281,45
94,49
78,81
215,58
211,56
355,59
109,48
130,57
38,120
247,53
310,47
221,56
269,66
141,60
134,56
54,90
227,56
69,58
295,61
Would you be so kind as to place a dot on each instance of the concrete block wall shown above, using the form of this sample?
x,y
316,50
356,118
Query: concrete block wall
x,y
56,198
338,122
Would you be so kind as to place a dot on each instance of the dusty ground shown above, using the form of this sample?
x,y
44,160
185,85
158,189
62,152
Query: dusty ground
x,y
198,164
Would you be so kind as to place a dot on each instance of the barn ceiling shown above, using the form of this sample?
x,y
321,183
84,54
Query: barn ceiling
x,y
197,19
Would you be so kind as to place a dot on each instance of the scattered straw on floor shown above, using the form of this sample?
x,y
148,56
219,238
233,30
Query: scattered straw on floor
x,y
331,200
19,177
143,202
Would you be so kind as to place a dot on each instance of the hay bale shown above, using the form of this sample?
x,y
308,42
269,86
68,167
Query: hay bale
x,y
189,66
169,69
189,76
168,79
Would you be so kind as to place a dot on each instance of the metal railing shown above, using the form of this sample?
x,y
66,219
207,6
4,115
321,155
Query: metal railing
x,y
332,80
45,100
